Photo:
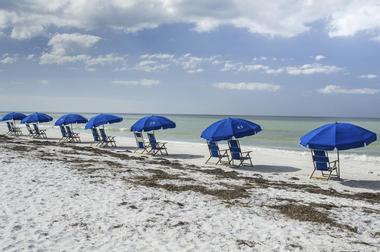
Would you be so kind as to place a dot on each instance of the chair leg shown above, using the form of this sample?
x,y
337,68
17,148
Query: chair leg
x,y
250,160
208,160
312,173
328,177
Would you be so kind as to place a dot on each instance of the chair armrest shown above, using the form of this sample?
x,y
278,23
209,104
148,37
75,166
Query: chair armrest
x,y
246,152
334,162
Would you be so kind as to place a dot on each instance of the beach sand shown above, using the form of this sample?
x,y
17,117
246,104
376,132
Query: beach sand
x,y
75,197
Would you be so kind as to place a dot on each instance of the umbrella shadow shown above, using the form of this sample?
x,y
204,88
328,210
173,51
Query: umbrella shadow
x,y
269,168
364,184
184,156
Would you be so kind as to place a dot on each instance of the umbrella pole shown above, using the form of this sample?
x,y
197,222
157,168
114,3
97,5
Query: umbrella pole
x,y
337,152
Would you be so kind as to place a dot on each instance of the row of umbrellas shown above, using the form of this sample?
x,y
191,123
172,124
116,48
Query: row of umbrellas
x,y
147,123
338,136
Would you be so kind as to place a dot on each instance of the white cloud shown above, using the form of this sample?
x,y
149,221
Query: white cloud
x,y
333,89
161,62
64,48
251,86
158,56
368,76
151,66
143,82
259,67
105,59
191,64
29,18
23,31
71,48
8,60
319,57
313,69
355,16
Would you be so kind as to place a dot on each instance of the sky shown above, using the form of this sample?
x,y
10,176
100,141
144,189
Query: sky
x,y
280,57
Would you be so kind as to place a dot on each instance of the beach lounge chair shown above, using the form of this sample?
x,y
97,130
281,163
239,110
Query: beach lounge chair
x,y
73,137
16,130
38,132
64,137
141,144
13,130
10,129
237,154
107,140
215,152
30,130
95,136
323,164
156,147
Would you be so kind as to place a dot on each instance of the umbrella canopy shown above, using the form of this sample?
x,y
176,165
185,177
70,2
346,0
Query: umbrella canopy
x,y
37,117
340,136
149,123
70,119
13,116
230,127
102,119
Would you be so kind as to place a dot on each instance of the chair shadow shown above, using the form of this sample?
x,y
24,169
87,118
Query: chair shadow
x,y
364,184
269,168
50,138
123,148
184,156
86,142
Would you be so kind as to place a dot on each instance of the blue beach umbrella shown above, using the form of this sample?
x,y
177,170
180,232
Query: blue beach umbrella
x,y
149,123
339,136
102,119
230,127
70,119
15,116
37,118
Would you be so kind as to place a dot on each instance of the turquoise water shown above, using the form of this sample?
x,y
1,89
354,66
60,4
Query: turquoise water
x,y
278,132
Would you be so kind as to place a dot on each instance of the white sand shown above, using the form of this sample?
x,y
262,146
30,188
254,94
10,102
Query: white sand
x,y
49,204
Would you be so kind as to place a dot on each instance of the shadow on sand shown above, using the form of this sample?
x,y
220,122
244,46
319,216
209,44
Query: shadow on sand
x,y
184,156
269,168
364,184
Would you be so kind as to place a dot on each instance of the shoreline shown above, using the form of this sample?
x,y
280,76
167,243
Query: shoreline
x,y
53,132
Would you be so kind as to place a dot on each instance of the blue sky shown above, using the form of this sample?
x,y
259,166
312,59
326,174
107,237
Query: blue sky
x,y
307,58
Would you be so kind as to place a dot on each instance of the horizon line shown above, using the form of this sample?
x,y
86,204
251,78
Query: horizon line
x,y
200,114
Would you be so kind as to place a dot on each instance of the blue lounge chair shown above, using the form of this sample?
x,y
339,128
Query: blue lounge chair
x,y
140,142
30,131
107,140
64,137
323,164
73,137
16,130
237,154
215,152
10,130
96,136
38,132
156,147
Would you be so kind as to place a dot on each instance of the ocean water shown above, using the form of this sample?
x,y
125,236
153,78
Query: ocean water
x,y
278,132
